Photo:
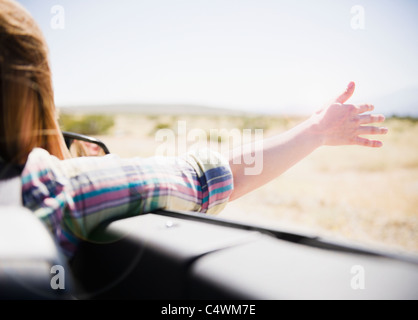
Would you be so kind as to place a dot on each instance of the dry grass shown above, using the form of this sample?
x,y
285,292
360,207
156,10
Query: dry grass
x,y
364,195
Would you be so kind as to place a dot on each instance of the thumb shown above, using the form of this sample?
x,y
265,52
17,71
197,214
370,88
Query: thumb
x,y
347,93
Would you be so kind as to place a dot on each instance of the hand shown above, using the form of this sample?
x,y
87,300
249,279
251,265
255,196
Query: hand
x,y
343,124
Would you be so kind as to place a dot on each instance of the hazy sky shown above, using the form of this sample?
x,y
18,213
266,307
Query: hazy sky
x,y
244,54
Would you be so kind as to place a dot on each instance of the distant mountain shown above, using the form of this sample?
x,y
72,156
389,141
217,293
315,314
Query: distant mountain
x,y
151,109
401,103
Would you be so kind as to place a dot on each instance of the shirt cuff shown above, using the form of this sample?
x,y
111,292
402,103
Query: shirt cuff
x,y
215,177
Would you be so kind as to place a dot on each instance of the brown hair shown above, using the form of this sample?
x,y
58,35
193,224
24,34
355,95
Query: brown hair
x,y
28,116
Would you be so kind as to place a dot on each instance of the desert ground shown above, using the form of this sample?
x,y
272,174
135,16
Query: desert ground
x,y
365,196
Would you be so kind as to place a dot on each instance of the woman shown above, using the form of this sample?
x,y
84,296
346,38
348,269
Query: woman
x,y
74,195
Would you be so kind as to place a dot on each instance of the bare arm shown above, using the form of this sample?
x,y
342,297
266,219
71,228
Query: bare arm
x,y
338,124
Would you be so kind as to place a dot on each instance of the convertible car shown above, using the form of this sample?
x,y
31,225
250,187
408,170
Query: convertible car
x,y
189,256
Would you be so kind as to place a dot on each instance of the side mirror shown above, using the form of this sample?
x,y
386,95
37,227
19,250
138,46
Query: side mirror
x,y
84,146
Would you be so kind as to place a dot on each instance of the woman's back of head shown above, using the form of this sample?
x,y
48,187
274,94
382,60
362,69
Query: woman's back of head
x,y
27,109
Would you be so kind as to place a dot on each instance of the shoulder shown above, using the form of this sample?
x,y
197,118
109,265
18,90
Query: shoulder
x,y
40,159
40,162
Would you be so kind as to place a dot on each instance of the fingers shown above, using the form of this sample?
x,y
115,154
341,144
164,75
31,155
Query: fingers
x,y
346,94
365,130
364,108
371,118
368,130
367,118
368,143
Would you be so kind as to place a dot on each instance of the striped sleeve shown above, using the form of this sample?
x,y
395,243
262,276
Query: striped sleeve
x,y
72,197
215,179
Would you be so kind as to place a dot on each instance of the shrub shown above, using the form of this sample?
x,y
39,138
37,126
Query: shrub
x,y
92,124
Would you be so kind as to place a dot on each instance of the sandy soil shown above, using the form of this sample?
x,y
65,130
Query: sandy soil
x,y
367,196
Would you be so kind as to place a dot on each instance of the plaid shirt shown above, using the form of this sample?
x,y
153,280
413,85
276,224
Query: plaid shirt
x,y
72,197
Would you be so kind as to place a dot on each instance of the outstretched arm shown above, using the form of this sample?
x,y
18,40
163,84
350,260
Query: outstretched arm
x,y
336,125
